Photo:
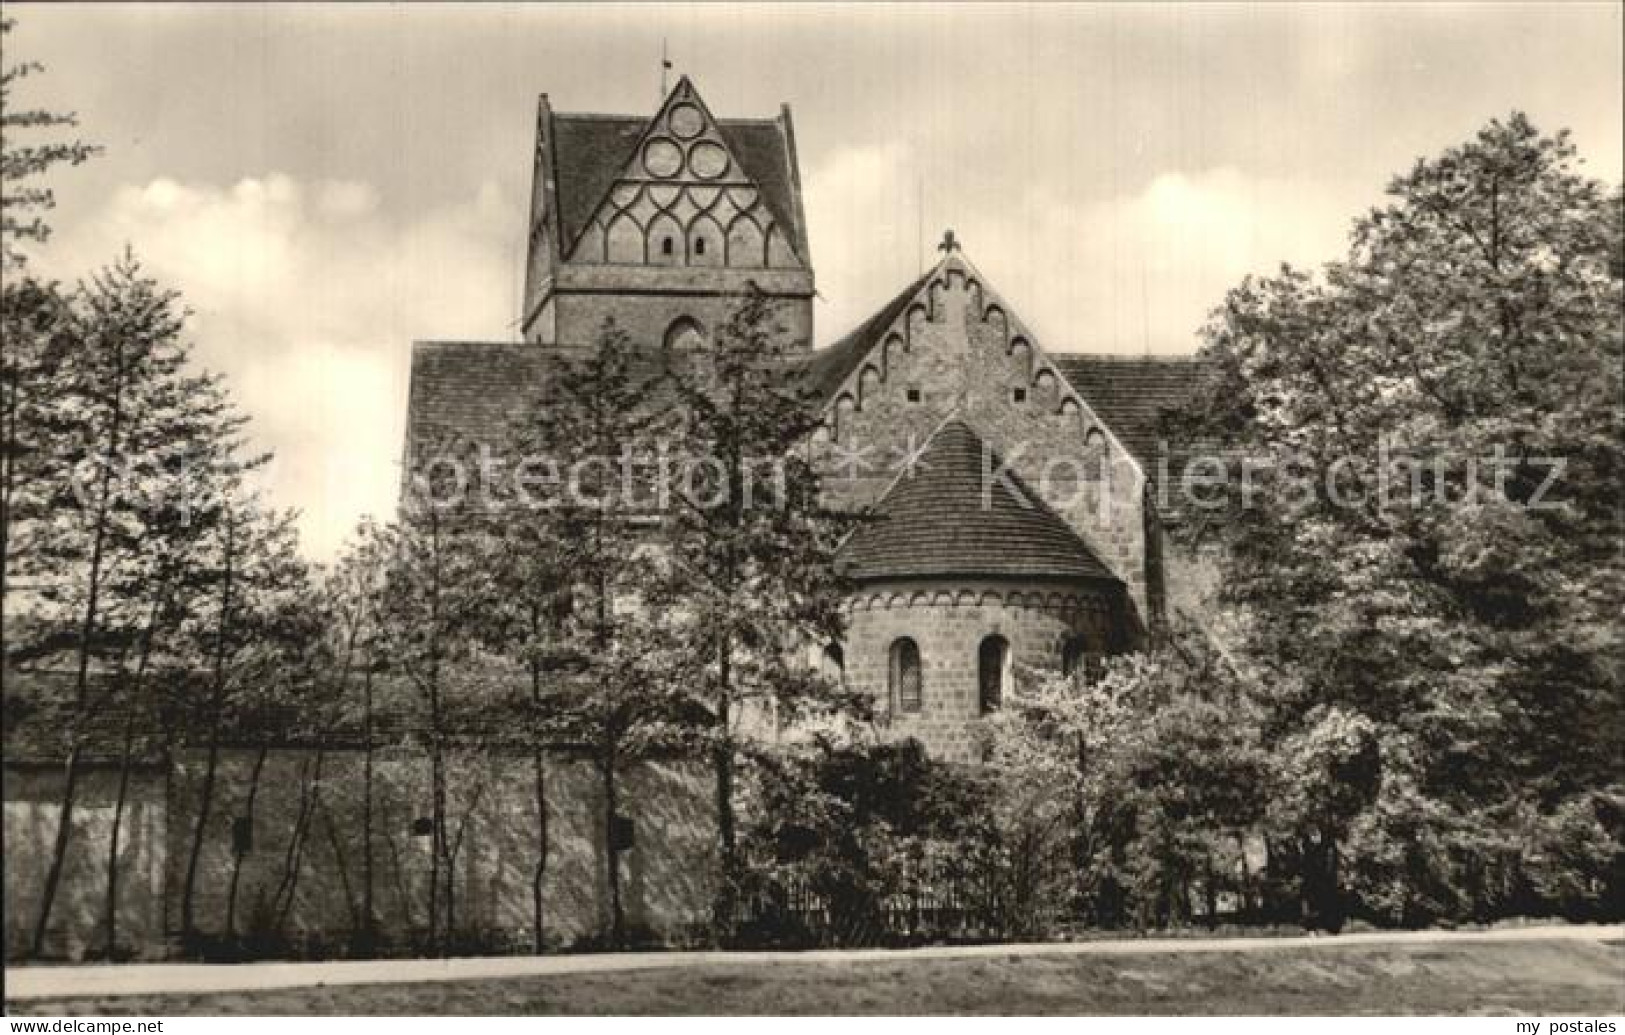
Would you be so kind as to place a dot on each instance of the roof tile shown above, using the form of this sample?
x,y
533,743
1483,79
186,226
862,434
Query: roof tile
x,y
940,519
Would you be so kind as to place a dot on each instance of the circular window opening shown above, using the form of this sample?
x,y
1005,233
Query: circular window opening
x,y
708,160
662,158
686,121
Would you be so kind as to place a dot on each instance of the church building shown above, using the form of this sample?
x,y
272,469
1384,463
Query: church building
x,y
1012,481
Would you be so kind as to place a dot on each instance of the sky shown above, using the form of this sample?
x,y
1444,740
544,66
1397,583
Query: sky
x,y
325,184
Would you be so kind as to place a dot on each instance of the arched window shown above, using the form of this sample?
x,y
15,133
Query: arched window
x,y
1096,457
992,668
665,246
699,246
903,680
685,332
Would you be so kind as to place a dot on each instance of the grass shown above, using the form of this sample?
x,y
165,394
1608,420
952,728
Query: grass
x,y
1512,978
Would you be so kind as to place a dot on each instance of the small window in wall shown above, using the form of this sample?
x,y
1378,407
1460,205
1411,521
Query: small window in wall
x,y
992,671
913,395
1018,395
1096,459
699,246
665,246
903,680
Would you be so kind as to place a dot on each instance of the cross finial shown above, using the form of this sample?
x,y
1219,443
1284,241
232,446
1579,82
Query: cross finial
x,y
949,244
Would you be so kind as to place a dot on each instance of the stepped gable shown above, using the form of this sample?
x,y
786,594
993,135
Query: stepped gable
x,y
936,521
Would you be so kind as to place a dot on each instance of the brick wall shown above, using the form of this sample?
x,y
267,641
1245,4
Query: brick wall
x,y
963,351
646,318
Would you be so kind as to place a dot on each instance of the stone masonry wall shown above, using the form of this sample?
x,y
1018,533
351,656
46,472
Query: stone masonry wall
x,y
312,889
948,620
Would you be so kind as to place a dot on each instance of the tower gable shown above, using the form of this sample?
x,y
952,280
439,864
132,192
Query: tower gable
x,y
664,220
684,198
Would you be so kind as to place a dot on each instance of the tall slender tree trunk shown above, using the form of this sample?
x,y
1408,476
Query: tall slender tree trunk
x,y
368,916
237,855
538,876
437,838
10,450
723,761
87,634
216,706
612,853
310,800
121,798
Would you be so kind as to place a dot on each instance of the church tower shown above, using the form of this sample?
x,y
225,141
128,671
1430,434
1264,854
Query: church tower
x,y
663,223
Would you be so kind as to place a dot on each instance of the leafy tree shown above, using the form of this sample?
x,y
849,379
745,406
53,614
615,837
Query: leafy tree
x,y
35,320
348,594
244,643
582,624
22,202
750,545
137,443
433,596
1423,553
531,563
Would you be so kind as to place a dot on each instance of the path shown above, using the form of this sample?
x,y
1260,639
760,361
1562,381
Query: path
x,y
38,982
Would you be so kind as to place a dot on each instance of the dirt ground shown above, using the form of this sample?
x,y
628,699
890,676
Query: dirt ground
x,y
1530,978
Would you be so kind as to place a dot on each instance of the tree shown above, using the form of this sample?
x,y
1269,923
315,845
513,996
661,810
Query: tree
x,y
22,203
244,642
349,594
35,320
532,569
129,428
584,612
750,551
1424,551
433,596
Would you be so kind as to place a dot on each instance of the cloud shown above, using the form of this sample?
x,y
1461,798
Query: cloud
x,y
1135,272
307,297
862,215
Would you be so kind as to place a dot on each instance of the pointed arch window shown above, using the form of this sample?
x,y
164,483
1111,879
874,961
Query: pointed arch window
x,y
903,681
685,332
992,672
1095,456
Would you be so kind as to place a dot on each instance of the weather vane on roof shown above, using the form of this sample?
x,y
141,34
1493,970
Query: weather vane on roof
x,y
950,243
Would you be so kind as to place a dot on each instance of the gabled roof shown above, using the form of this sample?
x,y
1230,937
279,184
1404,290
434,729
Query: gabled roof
x,y
1131,393
590,152
938,520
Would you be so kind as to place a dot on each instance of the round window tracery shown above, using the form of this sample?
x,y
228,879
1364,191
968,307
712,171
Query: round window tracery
x,y
708,160
662,157
686,121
